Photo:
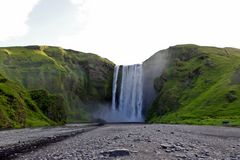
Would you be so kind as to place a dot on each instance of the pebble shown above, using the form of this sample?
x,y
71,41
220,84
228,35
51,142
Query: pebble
x,y
136,140
166,146
181,155
116,138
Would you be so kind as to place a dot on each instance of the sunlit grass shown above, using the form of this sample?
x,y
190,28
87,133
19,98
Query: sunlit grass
x,y
204,100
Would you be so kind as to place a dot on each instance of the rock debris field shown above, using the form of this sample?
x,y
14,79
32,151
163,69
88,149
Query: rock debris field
x,y
126,141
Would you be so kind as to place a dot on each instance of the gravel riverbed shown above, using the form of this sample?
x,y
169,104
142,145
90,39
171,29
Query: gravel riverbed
x,y
16,141
142,142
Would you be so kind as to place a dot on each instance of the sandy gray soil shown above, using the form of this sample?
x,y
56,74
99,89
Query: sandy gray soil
x,y
143,142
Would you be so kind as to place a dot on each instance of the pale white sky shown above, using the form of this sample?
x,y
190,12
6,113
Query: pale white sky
x,y
124,31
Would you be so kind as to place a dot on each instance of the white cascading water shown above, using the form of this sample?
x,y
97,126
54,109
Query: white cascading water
x,y
129,106
114,90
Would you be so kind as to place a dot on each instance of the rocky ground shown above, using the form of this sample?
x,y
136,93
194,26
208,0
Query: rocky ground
x,y
16,141
140,142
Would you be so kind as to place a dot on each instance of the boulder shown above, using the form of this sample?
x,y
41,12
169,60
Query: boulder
x,y
116,153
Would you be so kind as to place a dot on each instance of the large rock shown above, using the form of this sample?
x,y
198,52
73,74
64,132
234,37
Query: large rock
x,y
116,153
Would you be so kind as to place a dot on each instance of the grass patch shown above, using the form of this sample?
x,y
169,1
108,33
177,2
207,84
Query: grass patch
x,y
202,86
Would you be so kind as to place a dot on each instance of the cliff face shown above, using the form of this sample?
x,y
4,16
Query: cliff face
x,y
152,68
199,85
17,109
42,85
81,79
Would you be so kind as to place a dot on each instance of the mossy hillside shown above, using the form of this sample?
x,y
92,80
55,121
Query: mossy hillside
x,y
53,106
82,79
201,85
17,108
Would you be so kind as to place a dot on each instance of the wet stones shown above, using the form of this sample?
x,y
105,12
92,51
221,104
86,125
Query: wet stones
x,y
136,140
204,153
116,138
172,147
116,153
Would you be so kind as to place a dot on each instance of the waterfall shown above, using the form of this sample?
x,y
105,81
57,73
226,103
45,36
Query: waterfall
x,y
115,78
129,106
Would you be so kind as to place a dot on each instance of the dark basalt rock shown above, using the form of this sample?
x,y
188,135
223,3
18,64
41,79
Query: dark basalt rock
x,y
209,63
195,73
184,53
203,57
225,123
116,153
100,122
159,82
3,80
231,96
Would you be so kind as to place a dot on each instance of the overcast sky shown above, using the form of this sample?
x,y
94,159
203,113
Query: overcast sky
x,y
124,31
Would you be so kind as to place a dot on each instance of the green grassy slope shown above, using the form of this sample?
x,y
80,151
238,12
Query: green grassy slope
x,y
81,79
17,108
52,105
200,85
